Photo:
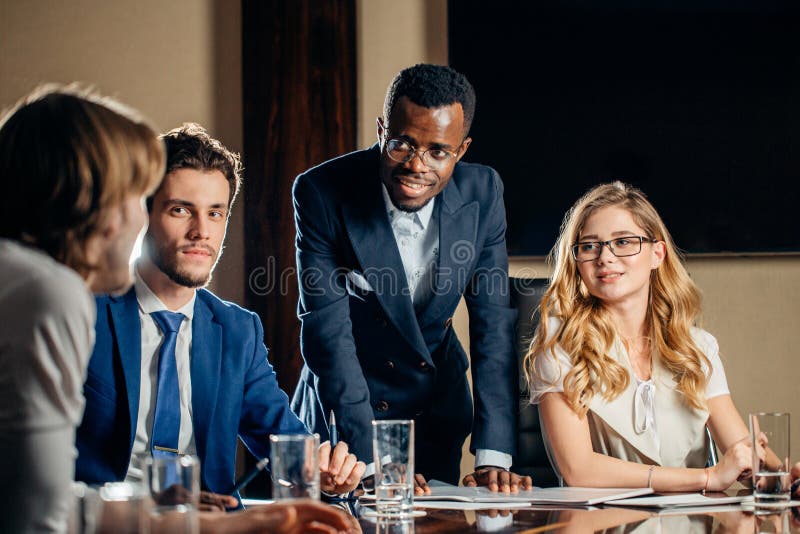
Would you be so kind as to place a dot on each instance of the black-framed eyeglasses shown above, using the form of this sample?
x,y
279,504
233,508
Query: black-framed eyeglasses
x,y
402,151
629,245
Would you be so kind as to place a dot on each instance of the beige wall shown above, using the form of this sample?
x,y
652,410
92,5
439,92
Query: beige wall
x,y
393,35
174,61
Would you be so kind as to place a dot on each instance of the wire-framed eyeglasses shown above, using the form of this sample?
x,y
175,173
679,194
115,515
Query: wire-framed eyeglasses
x,y
629,245
402,151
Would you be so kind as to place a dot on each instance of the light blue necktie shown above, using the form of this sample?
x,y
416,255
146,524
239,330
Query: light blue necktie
x,y
167,418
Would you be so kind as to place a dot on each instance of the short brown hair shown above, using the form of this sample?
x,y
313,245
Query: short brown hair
x,y
190,147
67,157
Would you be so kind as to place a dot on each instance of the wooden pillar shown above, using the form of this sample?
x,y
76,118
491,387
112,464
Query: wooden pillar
x,y
299,95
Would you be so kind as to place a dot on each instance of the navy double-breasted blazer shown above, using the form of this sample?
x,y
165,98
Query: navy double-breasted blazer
x,y
368,354
234,391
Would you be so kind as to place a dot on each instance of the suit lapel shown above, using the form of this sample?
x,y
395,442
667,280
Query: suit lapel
x,y
458,228
128,333
375,247
205,369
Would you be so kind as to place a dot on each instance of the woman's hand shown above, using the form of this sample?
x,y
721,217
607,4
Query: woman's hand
x,y
737,461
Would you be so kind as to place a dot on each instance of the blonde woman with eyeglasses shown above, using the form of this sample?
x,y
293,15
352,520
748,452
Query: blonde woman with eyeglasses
x,y
625,382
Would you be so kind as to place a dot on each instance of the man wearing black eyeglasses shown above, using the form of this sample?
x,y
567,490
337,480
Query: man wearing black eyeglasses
x,y
388,240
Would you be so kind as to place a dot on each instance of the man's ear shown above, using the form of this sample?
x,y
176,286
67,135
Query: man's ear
x,y
462,149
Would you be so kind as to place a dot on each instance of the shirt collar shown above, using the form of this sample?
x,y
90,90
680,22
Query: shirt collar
x,y
149,302
422,216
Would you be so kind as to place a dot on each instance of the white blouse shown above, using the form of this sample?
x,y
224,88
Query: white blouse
x,y
643,424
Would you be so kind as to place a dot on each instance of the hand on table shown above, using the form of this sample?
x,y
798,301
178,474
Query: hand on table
x,y
796,481
421,485
736,463
284,517
498,479
214,502
340,471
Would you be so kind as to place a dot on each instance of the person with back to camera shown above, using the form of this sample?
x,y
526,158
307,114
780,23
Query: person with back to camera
x,y
74,169
625,383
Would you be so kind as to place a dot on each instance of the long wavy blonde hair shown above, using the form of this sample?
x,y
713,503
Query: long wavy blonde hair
x,y
586,331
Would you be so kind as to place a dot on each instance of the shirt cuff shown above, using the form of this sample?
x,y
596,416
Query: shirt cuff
x,y
490,457
369,471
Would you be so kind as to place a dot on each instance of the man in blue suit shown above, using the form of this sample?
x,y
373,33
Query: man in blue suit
x,y
174,368
388,240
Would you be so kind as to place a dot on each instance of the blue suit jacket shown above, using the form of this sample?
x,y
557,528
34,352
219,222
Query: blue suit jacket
x,y
234,391
368,354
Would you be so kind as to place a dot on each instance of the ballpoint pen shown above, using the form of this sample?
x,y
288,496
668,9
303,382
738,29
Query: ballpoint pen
x,y
262,463
332,430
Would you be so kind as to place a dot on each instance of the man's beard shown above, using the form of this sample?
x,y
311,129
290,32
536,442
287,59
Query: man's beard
x,y
166,260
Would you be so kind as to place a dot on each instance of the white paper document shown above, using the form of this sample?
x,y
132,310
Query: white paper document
x,y
679,500
460,505
570,496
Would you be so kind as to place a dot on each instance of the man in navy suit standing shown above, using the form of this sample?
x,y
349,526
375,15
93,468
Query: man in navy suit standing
x,y
388,241
175,369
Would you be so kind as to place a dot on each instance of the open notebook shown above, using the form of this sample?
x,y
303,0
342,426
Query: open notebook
x,y
676,500
441,491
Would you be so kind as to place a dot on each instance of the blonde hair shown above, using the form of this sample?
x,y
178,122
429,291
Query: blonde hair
x,y
67,158
586,331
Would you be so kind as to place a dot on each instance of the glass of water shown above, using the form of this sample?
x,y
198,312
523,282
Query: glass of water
x,y
294,466
173,484
393,450
771,480
123,508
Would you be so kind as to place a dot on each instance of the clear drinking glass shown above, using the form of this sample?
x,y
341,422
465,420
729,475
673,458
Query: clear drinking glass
x,y
173,484
124,507
771,480
294,466
393,451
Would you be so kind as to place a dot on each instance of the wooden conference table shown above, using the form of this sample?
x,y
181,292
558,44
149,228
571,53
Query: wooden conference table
x,y
580,521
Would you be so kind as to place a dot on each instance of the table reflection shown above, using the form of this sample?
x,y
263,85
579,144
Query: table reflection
x,y
584,521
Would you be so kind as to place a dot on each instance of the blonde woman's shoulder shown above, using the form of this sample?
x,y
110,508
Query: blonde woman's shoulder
x,y
705,341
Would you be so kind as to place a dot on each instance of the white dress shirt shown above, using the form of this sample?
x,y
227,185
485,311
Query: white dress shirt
x,y
152,337
417,237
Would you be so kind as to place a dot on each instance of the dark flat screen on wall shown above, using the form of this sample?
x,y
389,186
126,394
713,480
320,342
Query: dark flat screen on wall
x,y
695,102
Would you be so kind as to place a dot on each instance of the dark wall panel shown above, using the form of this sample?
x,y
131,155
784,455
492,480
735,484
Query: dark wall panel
x,y
694,101
298,68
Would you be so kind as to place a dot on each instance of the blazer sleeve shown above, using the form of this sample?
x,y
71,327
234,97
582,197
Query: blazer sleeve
x,y
326,335
495,374
265,407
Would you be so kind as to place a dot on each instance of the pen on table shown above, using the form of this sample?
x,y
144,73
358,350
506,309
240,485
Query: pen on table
x,y
245,480
332,430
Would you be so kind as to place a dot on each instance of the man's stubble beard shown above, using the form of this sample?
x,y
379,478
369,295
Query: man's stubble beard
x,y
167,264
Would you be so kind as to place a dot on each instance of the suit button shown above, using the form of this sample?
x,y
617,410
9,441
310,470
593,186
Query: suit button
x,y
448,323
382,406
424,365
390,364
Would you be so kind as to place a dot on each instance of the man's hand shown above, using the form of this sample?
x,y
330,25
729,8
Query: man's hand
x,y
284,517
340,471
214,502
498,479
796,481
421,485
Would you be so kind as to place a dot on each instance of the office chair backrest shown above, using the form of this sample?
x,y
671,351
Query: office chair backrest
x,y
531,456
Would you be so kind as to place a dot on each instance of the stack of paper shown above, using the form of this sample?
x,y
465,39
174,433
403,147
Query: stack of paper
x,y
562,496
680,500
